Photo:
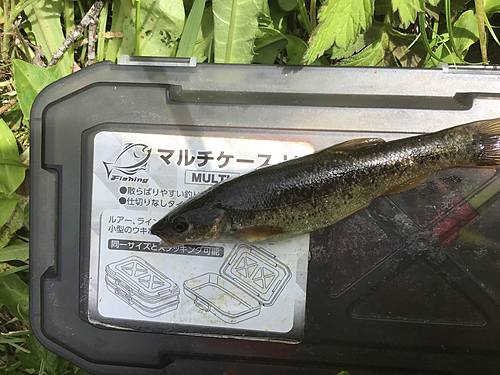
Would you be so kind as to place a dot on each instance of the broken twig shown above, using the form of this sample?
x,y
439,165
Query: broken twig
x,y
90,17
8,105
91,50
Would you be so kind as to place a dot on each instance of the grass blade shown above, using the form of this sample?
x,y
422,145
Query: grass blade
x,y
480,15
305,18
15,163
138,28
421,25
101,40
447,7
69,23
14,270
118,17
191,28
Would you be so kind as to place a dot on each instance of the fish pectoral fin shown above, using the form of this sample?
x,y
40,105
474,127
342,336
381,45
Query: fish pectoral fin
x,y
256,233
407,185
356,144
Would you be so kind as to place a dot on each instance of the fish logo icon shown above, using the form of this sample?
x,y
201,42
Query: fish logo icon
x,y
133,158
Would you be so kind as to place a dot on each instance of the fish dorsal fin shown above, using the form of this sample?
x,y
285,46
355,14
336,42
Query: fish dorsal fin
x,y
254,234
407,185
356,144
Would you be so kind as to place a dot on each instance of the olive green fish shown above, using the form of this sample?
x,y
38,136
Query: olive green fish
x,y
314,191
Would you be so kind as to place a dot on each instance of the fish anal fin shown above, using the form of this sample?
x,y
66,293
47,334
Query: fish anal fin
x,y
255,234
356,144
407,185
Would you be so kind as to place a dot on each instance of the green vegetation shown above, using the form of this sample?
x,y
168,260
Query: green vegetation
x,y
398,33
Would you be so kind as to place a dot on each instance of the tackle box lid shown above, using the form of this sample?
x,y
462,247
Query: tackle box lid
x,y
410,284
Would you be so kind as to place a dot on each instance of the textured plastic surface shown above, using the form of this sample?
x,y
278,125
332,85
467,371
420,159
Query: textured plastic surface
x,y
411,284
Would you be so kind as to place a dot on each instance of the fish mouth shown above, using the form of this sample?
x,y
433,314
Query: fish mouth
x,y
167,243
156,229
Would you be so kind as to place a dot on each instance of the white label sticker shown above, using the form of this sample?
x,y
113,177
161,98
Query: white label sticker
x,y
137,179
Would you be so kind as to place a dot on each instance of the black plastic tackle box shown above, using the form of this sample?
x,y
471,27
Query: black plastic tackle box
x,y
409,285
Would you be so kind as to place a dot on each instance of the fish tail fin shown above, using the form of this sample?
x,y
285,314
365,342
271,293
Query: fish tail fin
x,y
489,132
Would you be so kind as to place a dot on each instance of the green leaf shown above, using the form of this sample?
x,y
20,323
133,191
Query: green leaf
x,y
13,224
408,10
287,5
278,16
191,29
15,252
491,6
14,294
7,207
365,39
39,357
383,7
465,31
295,47
161,24
14,163
434,7
389,48
235,27
340,23
205,35
27,216
10,176
45,19
30,80
267,48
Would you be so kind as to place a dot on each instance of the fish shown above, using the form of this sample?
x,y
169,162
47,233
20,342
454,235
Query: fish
x,y
315,191
133,158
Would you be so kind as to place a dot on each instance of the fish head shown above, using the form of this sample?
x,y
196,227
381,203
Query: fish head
x,y
192,225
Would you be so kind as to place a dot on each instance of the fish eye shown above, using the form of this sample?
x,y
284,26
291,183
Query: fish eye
x,y
180,224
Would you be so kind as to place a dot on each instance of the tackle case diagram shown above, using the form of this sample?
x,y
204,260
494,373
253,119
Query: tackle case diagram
x,y
142,286
251,277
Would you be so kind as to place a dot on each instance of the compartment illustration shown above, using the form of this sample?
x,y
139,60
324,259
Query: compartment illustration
x,y
251,277
142,286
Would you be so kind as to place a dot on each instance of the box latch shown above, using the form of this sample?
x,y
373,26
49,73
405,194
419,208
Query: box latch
x,y
159,61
